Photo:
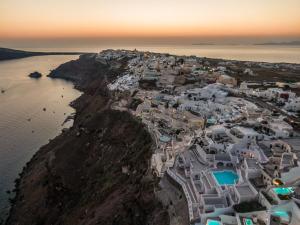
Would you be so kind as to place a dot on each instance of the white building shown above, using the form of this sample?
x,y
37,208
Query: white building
x,y
293,104
227,80
249,72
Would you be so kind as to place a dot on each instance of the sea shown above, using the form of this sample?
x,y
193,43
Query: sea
x,y
33,111
245,52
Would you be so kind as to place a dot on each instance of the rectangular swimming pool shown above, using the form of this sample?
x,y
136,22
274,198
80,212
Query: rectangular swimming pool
x,y
226,177
283,190
213,222
282,214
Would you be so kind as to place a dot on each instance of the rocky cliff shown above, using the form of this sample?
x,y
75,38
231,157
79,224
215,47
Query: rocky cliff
x,y
97,172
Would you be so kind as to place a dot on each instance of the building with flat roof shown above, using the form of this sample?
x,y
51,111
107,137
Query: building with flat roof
x,y
245,193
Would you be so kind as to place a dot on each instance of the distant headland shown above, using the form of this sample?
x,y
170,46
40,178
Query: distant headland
x,y
7,53
281,43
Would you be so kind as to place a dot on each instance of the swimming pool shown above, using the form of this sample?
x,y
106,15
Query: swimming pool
x,y
213,222
248,221
226,177
164,138
283,190
282,214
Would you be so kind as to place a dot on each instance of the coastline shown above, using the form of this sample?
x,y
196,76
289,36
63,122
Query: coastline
x,y
75,105
89,76
28,164
237,52
101,96
24,125
10,54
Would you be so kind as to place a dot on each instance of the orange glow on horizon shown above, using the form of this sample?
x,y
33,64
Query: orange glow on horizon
x,y
140,31
139,18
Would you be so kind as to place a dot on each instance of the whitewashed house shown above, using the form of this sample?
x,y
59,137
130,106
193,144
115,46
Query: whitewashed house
x,y
293,104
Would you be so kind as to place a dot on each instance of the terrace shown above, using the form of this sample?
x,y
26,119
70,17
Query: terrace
x,y
218,135
252,164
212,200
245,193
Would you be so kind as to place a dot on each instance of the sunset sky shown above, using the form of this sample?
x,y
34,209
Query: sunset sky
x,y
148,18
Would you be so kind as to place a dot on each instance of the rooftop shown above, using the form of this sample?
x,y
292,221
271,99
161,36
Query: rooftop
x,y
252,163
287,158
294,143
244,190
222,157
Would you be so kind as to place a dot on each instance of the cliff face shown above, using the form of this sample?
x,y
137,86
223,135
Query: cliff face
x,y
97,172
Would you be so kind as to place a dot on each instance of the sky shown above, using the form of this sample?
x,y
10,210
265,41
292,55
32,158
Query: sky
x,y
148,18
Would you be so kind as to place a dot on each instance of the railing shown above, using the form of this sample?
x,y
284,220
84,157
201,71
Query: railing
x,y
186,192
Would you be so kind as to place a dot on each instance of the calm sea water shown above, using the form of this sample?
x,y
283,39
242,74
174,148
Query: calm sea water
x,y
24,126
260,53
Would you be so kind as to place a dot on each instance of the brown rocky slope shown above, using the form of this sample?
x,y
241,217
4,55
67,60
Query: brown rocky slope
x,y
97,172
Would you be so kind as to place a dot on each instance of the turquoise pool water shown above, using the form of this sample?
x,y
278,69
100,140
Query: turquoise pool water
x,y
211,121
226,177
283,190
164,138
282,214
213,222
248,221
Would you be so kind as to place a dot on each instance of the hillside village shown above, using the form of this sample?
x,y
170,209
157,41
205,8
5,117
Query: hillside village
x,y
230,145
